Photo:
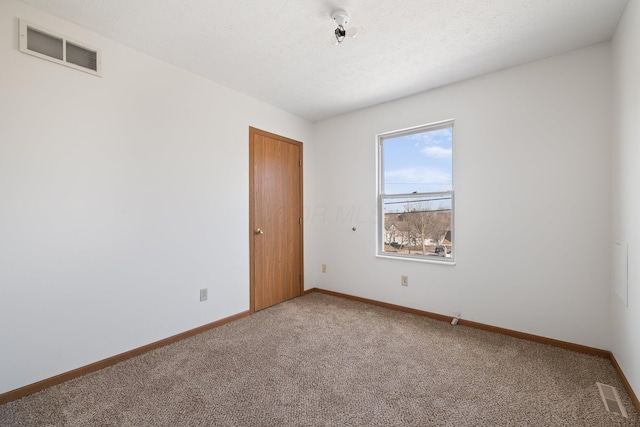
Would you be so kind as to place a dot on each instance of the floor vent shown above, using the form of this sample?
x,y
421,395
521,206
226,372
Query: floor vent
x,y
53,47
611,399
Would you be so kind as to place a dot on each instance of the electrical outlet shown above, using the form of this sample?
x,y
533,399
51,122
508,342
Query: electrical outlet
x,y
324,268
404,280
204,294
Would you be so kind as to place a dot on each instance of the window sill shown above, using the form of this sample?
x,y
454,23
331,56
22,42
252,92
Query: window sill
x,y
437,260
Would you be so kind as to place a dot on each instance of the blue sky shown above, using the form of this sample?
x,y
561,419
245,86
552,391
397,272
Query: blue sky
x,y
419,162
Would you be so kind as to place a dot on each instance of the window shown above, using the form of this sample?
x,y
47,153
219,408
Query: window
x,y
415,193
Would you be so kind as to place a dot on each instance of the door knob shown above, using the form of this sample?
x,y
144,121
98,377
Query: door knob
x,y
258,231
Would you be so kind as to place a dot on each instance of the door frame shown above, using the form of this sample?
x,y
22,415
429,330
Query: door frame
x,y
252,273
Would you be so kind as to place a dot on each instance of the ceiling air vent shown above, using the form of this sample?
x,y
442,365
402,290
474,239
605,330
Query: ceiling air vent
x,y
48,45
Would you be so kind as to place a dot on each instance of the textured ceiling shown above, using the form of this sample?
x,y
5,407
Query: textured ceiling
x,y
279,51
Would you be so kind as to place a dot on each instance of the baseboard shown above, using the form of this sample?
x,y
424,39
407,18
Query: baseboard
x,y
384,305
592,351
516,334
626,384
96,366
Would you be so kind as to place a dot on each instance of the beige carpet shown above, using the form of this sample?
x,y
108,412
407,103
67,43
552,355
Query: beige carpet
x,y
325,361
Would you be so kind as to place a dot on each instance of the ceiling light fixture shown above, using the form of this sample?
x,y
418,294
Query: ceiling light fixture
x,y
342,17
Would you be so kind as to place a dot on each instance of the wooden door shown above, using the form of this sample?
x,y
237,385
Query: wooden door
x,y
275,165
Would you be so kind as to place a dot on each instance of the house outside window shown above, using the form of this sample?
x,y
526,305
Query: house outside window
x,y
415,193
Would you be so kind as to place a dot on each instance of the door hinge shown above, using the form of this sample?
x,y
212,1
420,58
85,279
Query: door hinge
x,y
301,279
300,162
300,220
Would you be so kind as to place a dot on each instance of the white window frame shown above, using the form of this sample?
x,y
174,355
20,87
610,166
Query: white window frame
x,y
380,252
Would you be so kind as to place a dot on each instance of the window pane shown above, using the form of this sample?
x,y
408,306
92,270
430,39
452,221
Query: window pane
x,y
420,225
420,162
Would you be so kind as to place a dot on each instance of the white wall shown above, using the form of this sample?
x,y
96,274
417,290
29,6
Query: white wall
x,y
625,185
531,170
120,197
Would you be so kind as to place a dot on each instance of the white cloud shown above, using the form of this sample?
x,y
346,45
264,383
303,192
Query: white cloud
x,y
418,176
436,152
436,137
